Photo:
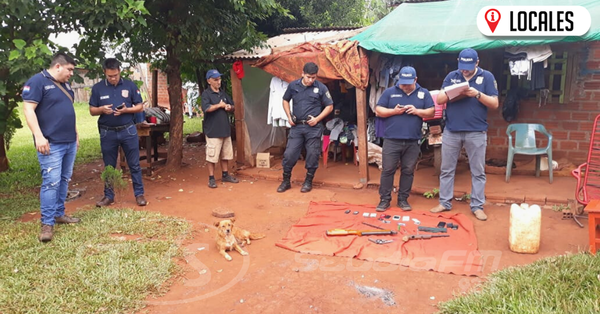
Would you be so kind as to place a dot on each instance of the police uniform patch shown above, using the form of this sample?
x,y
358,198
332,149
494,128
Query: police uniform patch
x,y
479,80
125,93
328,95
316,90
421,95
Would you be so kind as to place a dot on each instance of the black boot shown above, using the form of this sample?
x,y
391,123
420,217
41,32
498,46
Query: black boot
x,y
285,185
307,185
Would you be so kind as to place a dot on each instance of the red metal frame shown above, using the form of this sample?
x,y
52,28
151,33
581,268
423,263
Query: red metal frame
x,y
588,173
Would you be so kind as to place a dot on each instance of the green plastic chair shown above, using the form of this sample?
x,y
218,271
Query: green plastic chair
x,y
525,144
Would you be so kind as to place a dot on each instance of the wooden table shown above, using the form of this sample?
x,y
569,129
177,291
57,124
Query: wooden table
x,y
593,211
149,133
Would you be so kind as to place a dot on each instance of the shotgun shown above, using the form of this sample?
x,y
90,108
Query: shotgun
x,y
344,232
423,236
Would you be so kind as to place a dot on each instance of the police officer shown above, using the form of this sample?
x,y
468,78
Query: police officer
x,y
466,126
402,108
312,103
48,108
116,101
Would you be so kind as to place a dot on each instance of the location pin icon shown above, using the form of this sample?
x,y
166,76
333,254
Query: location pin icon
x,y
492,17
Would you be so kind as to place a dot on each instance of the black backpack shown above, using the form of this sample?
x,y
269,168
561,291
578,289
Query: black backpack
x,y
510,107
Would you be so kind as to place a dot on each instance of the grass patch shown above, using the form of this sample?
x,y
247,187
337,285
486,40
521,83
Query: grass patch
x,y
19,185
86,269
559,284
24,170
13,206
192,125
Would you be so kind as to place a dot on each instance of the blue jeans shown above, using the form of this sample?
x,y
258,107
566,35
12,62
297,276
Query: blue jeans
x,y
128,139
56,169
407,153
475,144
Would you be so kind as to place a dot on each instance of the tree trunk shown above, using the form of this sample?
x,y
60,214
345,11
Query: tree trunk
x,y
3,158
175,151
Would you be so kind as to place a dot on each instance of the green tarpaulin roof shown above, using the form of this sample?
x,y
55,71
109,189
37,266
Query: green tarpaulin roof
x,y
450,26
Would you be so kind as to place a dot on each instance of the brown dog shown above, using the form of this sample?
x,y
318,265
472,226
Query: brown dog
x,y
228,236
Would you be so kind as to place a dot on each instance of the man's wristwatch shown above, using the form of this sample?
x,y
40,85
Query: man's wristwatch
x,y
478,95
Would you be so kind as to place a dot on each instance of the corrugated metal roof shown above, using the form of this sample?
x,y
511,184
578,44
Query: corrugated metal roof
x,y
288,41
317,29
420,1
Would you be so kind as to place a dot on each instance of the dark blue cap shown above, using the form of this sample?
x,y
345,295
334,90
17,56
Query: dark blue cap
x,y
213,74
467,59
407,76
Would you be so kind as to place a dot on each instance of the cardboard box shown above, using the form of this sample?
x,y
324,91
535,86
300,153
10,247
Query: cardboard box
x,y
263,160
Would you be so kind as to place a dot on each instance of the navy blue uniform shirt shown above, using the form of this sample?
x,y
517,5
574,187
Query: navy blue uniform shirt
x,y
54,111
468,114
404,126
104,93
216,123
308,100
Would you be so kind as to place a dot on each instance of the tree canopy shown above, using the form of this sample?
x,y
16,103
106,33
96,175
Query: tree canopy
x,y
325,13
178,37
174,34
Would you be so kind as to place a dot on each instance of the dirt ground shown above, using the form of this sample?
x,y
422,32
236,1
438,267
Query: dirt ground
x,y
275,280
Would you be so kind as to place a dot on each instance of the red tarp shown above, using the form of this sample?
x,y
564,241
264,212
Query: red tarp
x,y
455,254
342,60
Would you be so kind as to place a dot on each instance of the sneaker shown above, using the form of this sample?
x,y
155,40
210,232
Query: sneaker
x,y
383,206
404,205
479,214
230,179
141,200
438,209
46,233
64,219
105,201
212,183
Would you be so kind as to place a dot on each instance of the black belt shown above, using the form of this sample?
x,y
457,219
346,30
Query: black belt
x,y
403,140
302,122
114,128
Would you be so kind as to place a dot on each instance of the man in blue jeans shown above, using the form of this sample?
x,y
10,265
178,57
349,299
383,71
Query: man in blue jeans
x,y
116,101
48,108
466,126
402,108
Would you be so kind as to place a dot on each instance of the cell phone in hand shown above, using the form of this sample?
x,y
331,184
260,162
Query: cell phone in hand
x,y
121,106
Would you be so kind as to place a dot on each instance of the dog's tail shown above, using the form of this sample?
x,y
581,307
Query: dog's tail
x,y
256,236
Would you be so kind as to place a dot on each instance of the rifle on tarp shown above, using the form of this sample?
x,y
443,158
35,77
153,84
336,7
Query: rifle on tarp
x,y
409,237
344,232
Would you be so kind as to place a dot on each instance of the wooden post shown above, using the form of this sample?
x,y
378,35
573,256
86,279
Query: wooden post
x,y
361,117
240,125
155,88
